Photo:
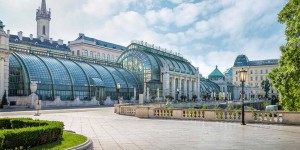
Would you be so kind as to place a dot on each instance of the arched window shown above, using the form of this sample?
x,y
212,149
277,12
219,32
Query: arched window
x,y
44,30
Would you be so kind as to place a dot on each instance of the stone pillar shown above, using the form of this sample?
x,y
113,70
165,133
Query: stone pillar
x,y
4,61
190,89
174,87
148,94
185,89
157,93
134,93
179,86
166,84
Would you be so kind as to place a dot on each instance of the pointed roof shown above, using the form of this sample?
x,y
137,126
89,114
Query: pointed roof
x,y
215,73
42,12
1,25
43,6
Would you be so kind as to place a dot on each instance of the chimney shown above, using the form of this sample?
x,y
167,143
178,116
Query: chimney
x,y
60,42
8,33
31,36
51,40
42,39
20,35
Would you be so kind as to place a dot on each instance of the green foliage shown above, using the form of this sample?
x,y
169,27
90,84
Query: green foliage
x,y
183,97
194,97
25,132
170,97
250,108
286,77
68,140
265,84
266,104
204,106
217,107
230,107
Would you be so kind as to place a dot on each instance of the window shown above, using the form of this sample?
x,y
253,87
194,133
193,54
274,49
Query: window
x,y
266,70
91,53
261,71
261,78
236,72
256,78
44,30
98,55
236,78
85,53
73,52
251,78
78,52
108,57
251,72
113,58
255,71
103,56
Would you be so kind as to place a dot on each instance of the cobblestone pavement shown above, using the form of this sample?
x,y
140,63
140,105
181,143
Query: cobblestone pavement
x,y
110,131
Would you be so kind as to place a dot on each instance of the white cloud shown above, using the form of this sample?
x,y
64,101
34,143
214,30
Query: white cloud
x,y
208,33
104,9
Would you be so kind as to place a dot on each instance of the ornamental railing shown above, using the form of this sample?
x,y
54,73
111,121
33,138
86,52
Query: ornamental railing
x,y
268,117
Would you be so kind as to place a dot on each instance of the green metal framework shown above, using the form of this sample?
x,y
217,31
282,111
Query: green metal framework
x,y
67,78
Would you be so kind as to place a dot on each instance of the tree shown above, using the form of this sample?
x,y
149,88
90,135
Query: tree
x,y
4,99
286,77
194,97
265,84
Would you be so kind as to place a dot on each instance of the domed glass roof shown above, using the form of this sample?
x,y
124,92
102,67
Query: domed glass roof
x,y
241,60
215,73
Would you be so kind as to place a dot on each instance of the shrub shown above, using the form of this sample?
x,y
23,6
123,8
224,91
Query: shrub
x,y
25,132
230,107
204,106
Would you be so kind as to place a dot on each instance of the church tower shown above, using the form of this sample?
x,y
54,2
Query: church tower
x,y
43,18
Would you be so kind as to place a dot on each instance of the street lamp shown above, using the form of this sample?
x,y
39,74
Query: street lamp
x,y
118,90
243,74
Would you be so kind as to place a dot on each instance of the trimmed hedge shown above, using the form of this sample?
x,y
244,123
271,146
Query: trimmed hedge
x,y
25,132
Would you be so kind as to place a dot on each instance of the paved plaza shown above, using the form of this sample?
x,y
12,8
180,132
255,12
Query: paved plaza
x,y
110,131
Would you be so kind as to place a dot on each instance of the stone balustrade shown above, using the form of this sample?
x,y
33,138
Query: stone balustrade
x,y
268,117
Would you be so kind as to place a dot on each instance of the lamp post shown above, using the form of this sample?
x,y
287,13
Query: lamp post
x,y
243,74
118,90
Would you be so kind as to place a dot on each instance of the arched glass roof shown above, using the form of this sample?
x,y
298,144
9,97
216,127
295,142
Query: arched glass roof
x,y
157,58
55,76
207,86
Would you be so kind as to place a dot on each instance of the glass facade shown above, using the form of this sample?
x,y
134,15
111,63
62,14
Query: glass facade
x,y
67,79
146,63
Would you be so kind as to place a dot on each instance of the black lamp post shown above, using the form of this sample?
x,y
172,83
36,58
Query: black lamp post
x,y
243,75
118,90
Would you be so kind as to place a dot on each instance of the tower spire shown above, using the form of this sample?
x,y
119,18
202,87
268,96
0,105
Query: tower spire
x,y
43,18
43,7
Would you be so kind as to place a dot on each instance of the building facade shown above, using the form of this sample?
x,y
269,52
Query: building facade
x,y
90,47
257,72
160,72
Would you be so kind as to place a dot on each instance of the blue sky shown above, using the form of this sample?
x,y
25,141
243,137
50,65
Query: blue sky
x,y
206,32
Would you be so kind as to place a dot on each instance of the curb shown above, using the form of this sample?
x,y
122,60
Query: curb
x,y
88,145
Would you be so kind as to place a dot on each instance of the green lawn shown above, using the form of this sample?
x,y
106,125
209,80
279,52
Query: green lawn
x,y
68,140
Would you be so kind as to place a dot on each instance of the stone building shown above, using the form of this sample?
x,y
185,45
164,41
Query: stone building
x,y
257,71
98,49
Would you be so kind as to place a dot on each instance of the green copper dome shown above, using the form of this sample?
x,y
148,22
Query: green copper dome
x,y
1,25
216,73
